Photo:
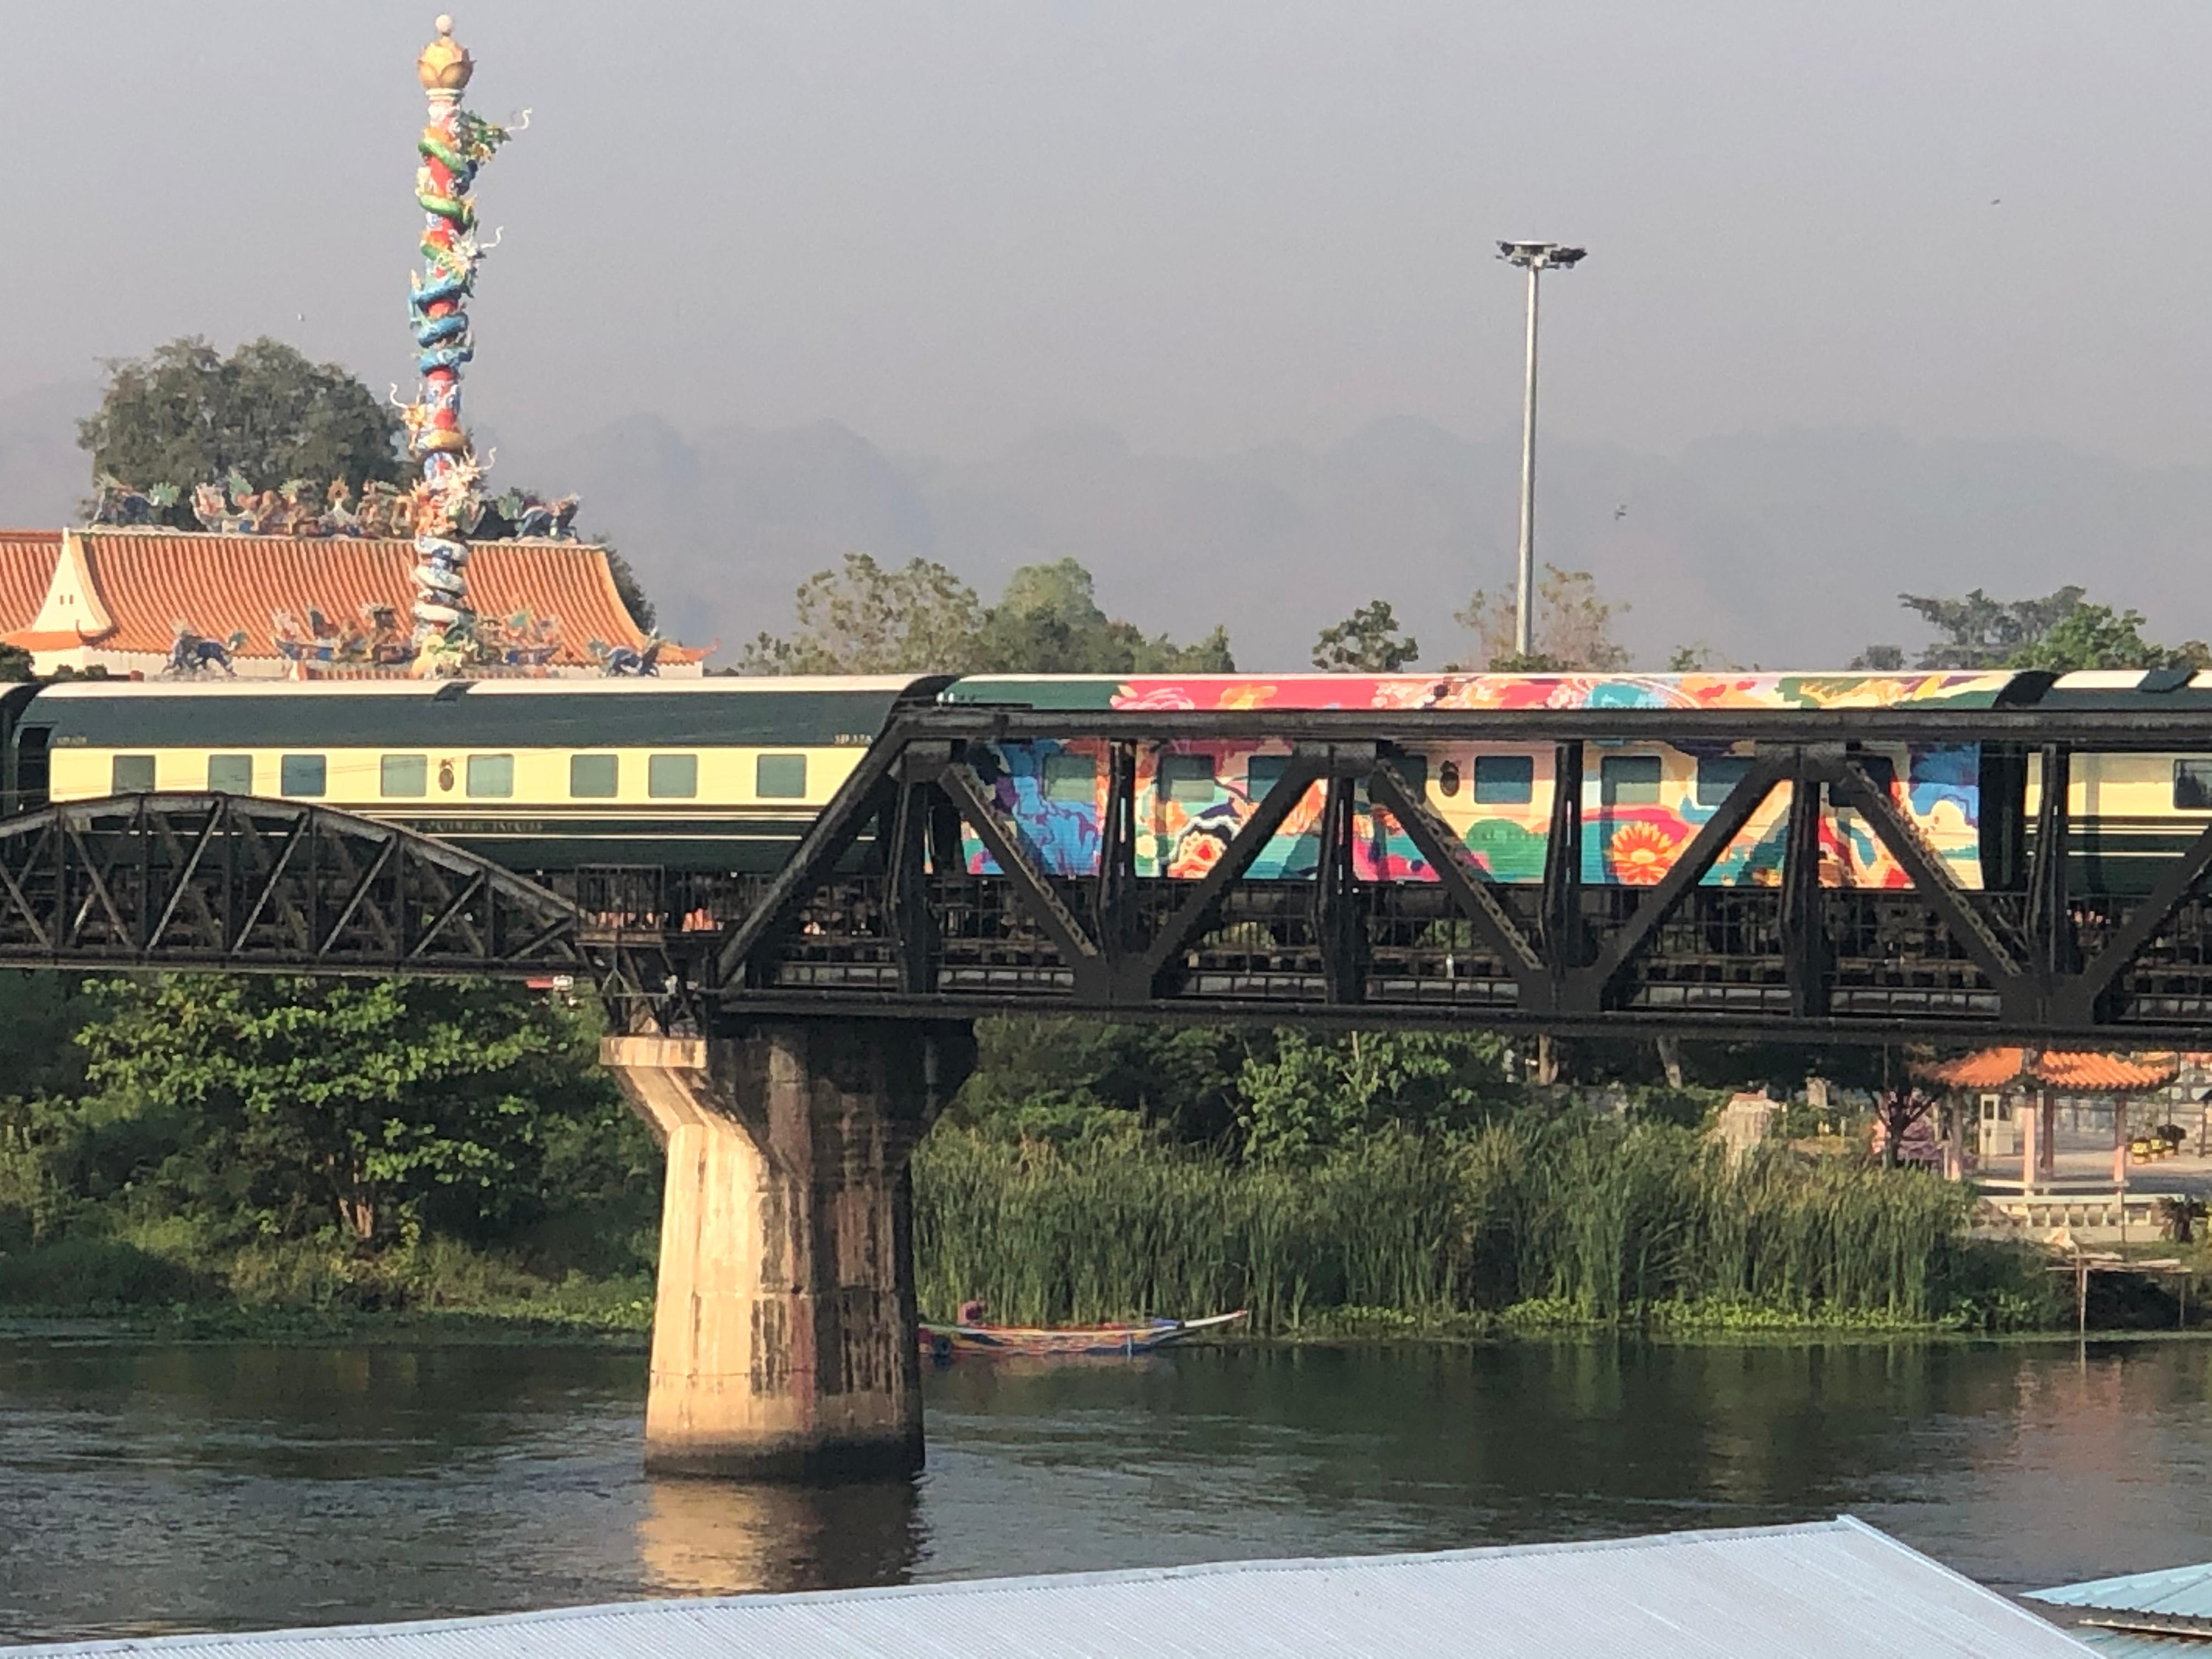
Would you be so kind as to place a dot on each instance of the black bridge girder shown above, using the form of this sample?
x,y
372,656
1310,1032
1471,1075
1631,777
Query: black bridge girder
x,y
1797,960
239,884
875,914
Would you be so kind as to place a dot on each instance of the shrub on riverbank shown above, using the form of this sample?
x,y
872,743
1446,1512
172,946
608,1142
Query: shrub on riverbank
x,y
1566,1220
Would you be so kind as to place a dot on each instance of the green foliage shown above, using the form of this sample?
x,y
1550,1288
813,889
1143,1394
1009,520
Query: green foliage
x,y
290,1104
1044,1077
1365,642
631,592
1315,1093
1980,632
864,619
921,617
2061,632
1572,1220
2097,636
40,1014
186,414
15,663
1049,622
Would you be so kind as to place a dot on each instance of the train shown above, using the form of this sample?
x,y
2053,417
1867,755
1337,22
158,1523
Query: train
x,y
723,774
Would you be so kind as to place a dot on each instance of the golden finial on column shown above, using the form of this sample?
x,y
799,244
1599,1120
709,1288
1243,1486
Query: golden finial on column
x,y
445,64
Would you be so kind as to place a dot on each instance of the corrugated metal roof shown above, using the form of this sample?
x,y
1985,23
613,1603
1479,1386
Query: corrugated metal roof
x,y
2134,1644
1829,1588
2177,1592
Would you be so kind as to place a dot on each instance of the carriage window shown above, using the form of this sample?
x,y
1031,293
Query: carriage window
x,y
305,776
1718,775
2193,786
1504,780
672,777
780,777
133,775
491,777
595,777
1071,778
1262,773
1187,777
231,774
404,776
1629,781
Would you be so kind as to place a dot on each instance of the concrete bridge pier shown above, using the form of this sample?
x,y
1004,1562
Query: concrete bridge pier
x,y
784,1341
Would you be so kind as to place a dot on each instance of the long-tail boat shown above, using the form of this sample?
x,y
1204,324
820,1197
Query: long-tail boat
x,y
946,1342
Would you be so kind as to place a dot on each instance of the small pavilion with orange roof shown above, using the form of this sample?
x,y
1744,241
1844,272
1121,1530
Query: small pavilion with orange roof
x,y
2034,1079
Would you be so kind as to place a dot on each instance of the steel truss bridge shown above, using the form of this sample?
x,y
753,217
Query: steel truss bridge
x,y
875,915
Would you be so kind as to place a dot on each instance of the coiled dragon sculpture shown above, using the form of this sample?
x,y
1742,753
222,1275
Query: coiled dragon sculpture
x,y
454,145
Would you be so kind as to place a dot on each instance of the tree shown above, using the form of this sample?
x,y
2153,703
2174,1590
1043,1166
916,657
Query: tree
x,y
187,416
1047,621
365,1105
2096,636
1573,628
630,591
864,619
1896,1112
1313,1093
1365,642
15,663
2061,631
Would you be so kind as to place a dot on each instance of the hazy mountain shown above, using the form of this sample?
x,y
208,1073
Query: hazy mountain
x,y
1774,548
44,475
1781,548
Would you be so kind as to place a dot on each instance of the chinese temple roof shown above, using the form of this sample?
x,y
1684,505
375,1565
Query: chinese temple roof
x,y
26,568
321,599
2076,1071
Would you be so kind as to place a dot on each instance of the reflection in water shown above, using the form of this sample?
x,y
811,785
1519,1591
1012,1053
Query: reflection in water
x,y
723,1538
146,1488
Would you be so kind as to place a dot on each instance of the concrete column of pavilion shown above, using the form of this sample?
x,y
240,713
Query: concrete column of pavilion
x,y
2044,1074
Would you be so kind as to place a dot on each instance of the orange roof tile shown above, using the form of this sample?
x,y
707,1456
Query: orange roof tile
x,y
26,569
2087,1072
1992,1068
2107,1073
151,582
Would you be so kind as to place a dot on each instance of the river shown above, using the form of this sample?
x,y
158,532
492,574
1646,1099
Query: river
x,y
148,1487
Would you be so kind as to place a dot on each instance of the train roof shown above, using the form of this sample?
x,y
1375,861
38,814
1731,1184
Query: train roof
x,y
802,712
2130,688
448,691
1950,688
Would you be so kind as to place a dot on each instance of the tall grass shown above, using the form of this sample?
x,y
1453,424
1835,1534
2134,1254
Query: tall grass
x,y
1600,1221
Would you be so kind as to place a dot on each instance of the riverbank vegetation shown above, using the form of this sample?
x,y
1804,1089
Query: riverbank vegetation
x,y
1533,1220
291,1152
243,1154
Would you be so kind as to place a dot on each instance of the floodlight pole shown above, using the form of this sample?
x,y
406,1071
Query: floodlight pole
x,y
1524,620
1535,259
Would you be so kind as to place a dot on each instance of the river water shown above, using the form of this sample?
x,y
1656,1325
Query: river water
x,y
148,1488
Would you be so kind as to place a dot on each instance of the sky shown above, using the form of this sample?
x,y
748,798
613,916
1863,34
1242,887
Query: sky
x,y
1207,224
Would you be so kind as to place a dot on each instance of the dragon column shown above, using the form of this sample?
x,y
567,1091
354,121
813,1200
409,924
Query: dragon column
x,y
453,145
